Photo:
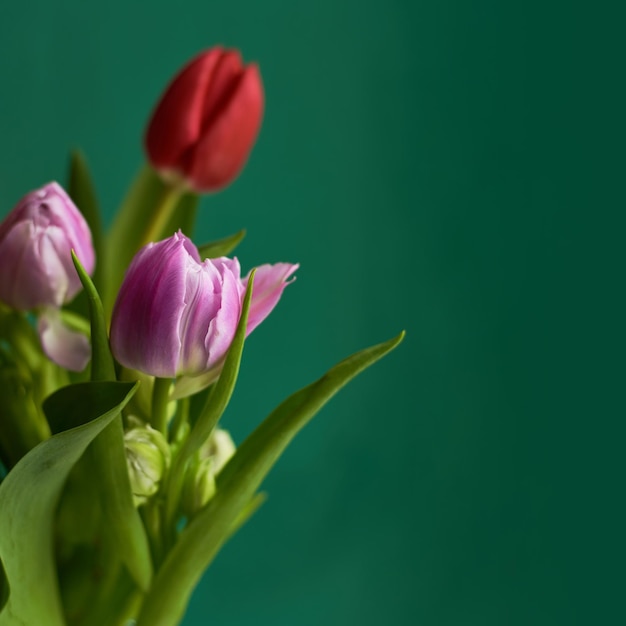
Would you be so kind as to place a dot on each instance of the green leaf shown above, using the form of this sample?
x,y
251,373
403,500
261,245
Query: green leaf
x,y
213,409
237,484
102,366
221,247
135,218
82,191
28,498
4,587
75,405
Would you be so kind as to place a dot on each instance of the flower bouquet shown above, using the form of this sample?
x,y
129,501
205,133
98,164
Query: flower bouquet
x,y
118,357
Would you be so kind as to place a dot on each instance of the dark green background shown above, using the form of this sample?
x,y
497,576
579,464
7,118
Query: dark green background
x,y
453,168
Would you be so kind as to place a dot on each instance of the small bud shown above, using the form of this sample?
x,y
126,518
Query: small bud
x,y
148,459
220,448
199,486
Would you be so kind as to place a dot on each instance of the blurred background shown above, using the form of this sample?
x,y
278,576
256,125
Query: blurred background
x,y
450,168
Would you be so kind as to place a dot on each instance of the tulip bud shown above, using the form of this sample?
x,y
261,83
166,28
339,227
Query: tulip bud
x,y
36,240
205,125
220,448
199,486
148,457
177,315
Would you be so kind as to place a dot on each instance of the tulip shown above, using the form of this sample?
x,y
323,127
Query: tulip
x,y
36,240
36,268
176,315
205,125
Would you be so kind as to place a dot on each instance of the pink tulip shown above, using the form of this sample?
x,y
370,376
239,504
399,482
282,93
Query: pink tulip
x,y
36,240
36,268
206,123
176,315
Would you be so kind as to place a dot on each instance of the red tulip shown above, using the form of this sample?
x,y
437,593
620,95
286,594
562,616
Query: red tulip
x,y
205,125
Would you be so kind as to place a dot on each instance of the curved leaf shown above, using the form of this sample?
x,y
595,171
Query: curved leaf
x,y
213,409
28,498
236,486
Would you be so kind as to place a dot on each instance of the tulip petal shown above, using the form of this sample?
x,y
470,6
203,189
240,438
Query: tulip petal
x,y
224,80
177,122
36,240
66,347
269,283
148,307
224,324
225,144
200,304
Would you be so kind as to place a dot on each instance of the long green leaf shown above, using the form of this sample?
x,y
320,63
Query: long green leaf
x,y
236,485
28,498
213,409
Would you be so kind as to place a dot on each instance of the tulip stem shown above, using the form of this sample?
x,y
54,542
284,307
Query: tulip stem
x,y
160,398
162,213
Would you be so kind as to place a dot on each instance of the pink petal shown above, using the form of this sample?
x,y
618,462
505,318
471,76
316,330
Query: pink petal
x,y
147,314
66,347
269,283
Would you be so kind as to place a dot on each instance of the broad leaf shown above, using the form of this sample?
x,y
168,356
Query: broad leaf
x,y
28,498
236,486
76,405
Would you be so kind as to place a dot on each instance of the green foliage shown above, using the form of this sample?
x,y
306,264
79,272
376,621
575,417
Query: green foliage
x,y
28,497
74,549
199,542
212,411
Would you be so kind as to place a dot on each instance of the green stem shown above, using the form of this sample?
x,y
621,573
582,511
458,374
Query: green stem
x,y
162,214
180,421
160,398
151,517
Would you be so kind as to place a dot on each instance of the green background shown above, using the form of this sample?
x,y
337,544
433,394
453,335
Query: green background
x,y
453,168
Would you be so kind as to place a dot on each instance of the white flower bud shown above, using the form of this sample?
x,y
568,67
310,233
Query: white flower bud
x,y
148,458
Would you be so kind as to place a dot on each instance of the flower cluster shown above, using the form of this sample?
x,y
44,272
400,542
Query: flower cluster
x,y
111,400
